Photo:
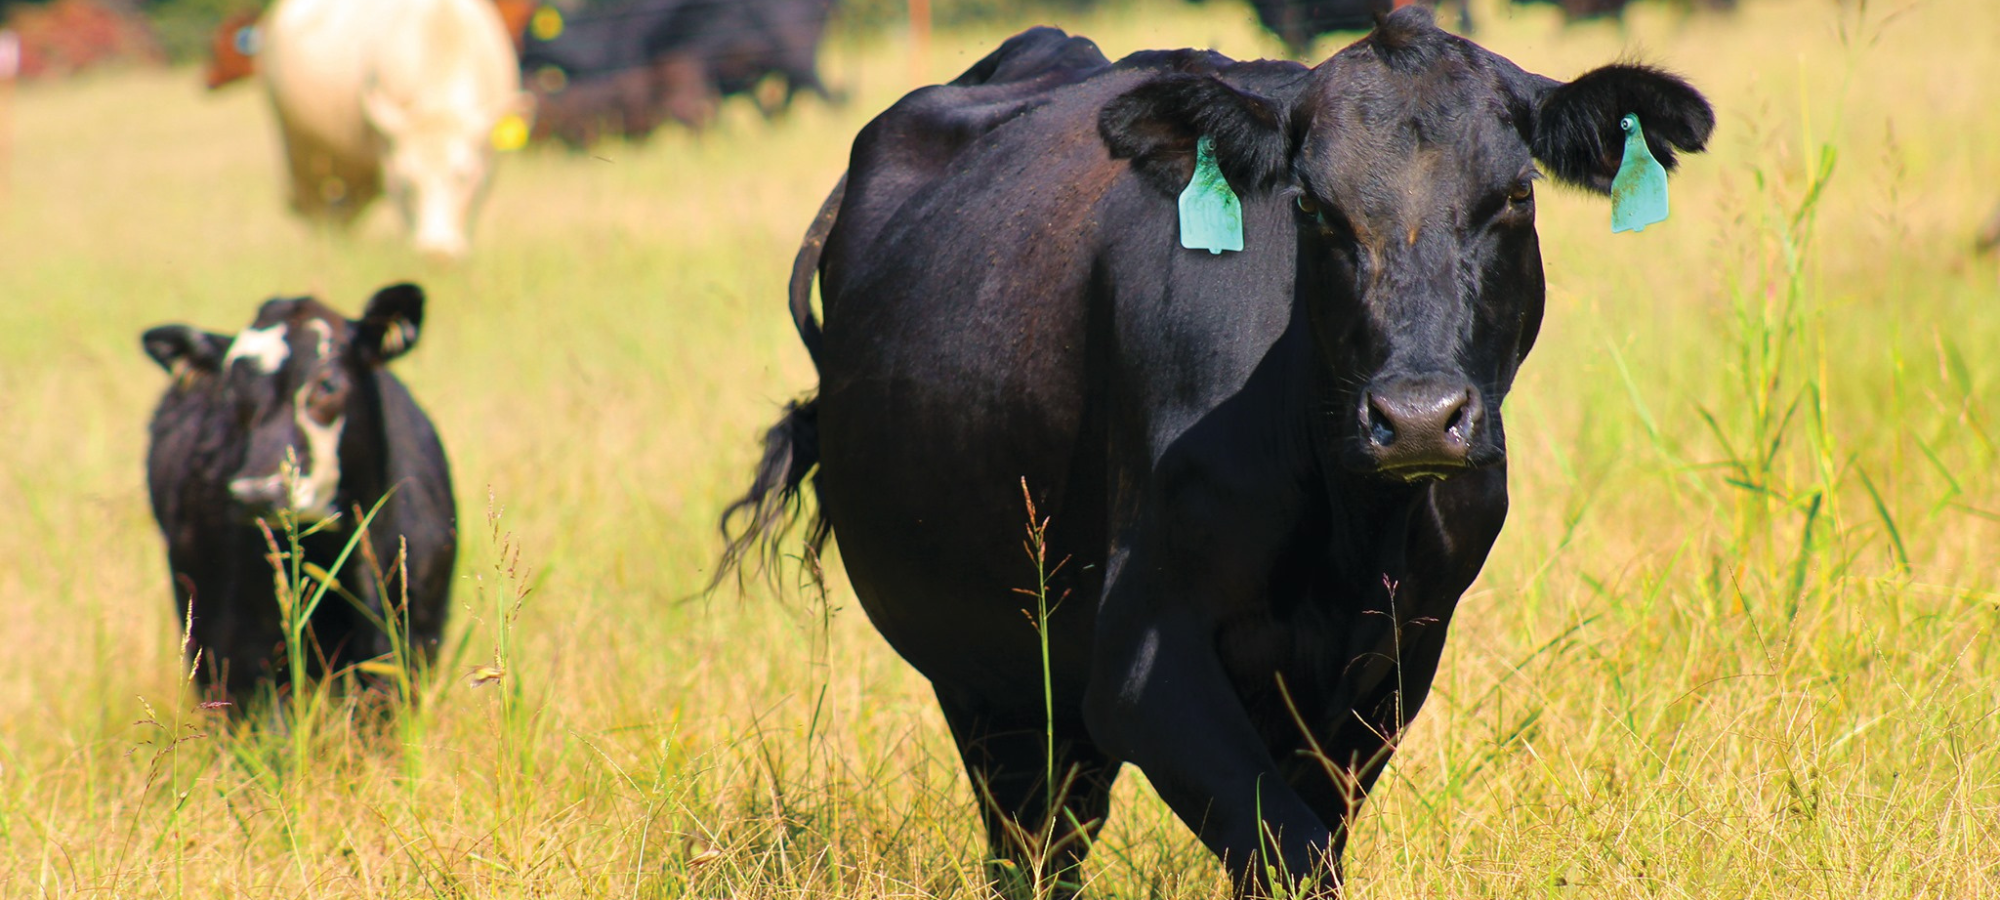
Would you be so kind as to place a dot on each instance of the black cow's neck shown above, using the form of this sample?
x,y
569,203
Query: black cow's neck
x,y
363,446
1368,516
1370,528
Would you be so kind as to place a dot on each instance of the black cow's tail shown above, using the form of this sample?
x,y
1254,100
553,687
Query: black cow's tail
x,y
806,265
754,527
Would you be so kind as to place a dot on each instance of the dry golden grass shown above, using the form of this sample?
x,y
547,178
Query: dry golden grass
x,y
1666,684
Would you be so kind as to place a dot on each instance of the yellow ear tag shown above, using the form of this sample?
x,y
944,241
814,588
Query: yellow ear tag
x,y
546,23
510,133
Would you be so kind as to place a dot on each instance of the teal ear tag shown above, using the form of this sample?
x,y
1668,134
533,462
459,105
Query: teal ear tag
x,y
1639,192
1211,216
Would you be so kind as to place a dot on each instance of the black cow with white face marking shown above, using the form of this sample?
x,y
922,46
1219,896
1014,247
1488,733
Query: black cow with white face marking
x,y
1272,472
297,414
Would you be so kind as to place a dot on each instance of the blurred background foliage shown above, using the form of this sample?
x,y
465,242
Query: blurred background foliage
x,y
183,26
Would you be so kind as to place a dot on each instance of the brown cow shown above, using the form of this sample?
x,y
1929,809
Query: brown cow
x,y
232,50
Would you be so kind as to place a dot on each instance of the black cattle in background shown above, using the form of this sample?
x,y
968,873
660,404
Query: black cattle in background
x,y
1582,10
741,42
1268,475
629,68
304,389
1299,22
600,40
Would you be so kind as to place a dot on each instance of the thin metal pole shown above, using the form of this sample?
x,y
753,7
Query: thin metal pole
x,y
920,41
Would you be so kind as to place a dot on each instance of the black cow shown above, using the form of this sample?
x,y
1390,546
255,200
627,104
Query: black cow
x,y
631,103
629,67
1271,473
1299,22
600,41
743,41
1583,10
296,414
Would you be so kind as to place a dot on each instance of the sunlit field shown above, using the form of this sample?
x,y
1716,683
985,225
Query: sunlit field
x,y
1736,642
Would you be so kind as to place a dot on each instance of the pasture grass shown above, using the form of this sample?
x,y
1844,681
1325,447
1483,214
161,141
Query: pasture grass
x,y
1737,640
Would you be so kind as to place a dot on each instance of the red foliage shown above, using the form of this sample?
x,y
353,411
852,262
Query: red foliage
x,y
67,36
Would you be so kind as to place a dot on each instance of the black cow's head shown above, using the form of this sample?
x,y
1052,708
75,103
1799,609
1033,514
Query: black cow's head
x,y
1411,159
298,383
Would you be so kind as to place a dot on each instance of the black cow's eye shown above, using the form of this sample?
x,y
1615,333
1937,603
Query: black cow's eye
x,y
1522,194
1308,206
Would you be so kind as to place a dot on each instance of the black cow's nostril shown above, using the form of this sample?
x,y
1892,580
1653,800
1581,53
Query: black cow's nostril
x,y
1460,425
1421,425
1381,429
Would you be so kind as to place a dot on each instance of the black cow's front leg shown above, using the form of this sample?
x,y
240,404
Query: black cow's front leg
x,y
1385,674
1031,853
1353,743
1160,698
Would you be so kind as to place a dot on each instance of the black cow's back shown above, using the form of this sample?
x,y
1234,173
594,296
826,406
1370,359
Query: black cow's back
x,y
981,340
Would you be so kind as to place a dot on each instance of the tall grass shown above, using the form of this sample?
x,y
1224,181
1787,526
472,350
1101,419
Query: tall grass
x,y
1737,639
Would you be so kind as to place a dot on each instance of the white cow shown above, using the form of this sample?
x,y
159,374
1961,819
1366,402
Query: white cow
x,y
402,91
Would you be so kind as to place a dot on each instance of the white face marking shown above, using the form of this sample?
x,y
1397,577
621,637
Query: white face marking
x,y
265,348
313,489
325,334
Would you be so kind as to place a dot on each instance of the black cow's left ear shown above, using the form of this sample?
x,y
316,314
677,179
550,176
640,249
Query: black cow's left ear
x,y
1157,124
1576,133
181,348
389,327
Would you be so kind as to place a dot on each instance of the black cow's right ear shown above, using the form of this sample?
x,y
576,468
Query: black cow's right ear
x,y
389,327
1576,132
180,348
1156,125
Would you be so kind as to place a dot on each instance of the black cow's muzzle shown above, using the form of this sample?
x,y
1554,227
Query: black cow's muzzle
x,y
1417,428
267,496
259,495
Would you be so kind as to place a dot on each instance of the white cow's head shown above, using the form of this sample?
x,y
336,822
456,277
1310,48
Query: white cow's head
x,y
436,160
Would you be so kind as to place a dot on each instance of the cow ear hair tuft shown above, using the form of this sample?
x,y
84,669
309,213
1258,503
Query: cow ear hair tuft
x,y
390,325
1156,125
1576,133
180,349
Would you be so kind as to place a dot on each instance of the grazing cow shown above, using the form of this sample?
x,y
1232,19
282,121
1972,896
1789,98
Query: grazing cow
x,y
601,40
630,103
628,68
743,42
1299,22
1583,10
402,91
298,415
1268,474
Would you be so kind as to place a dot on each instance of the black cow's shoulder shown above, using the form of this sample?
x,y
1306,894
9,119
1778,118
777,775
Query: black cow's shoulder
x,y
193,449
1033,54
